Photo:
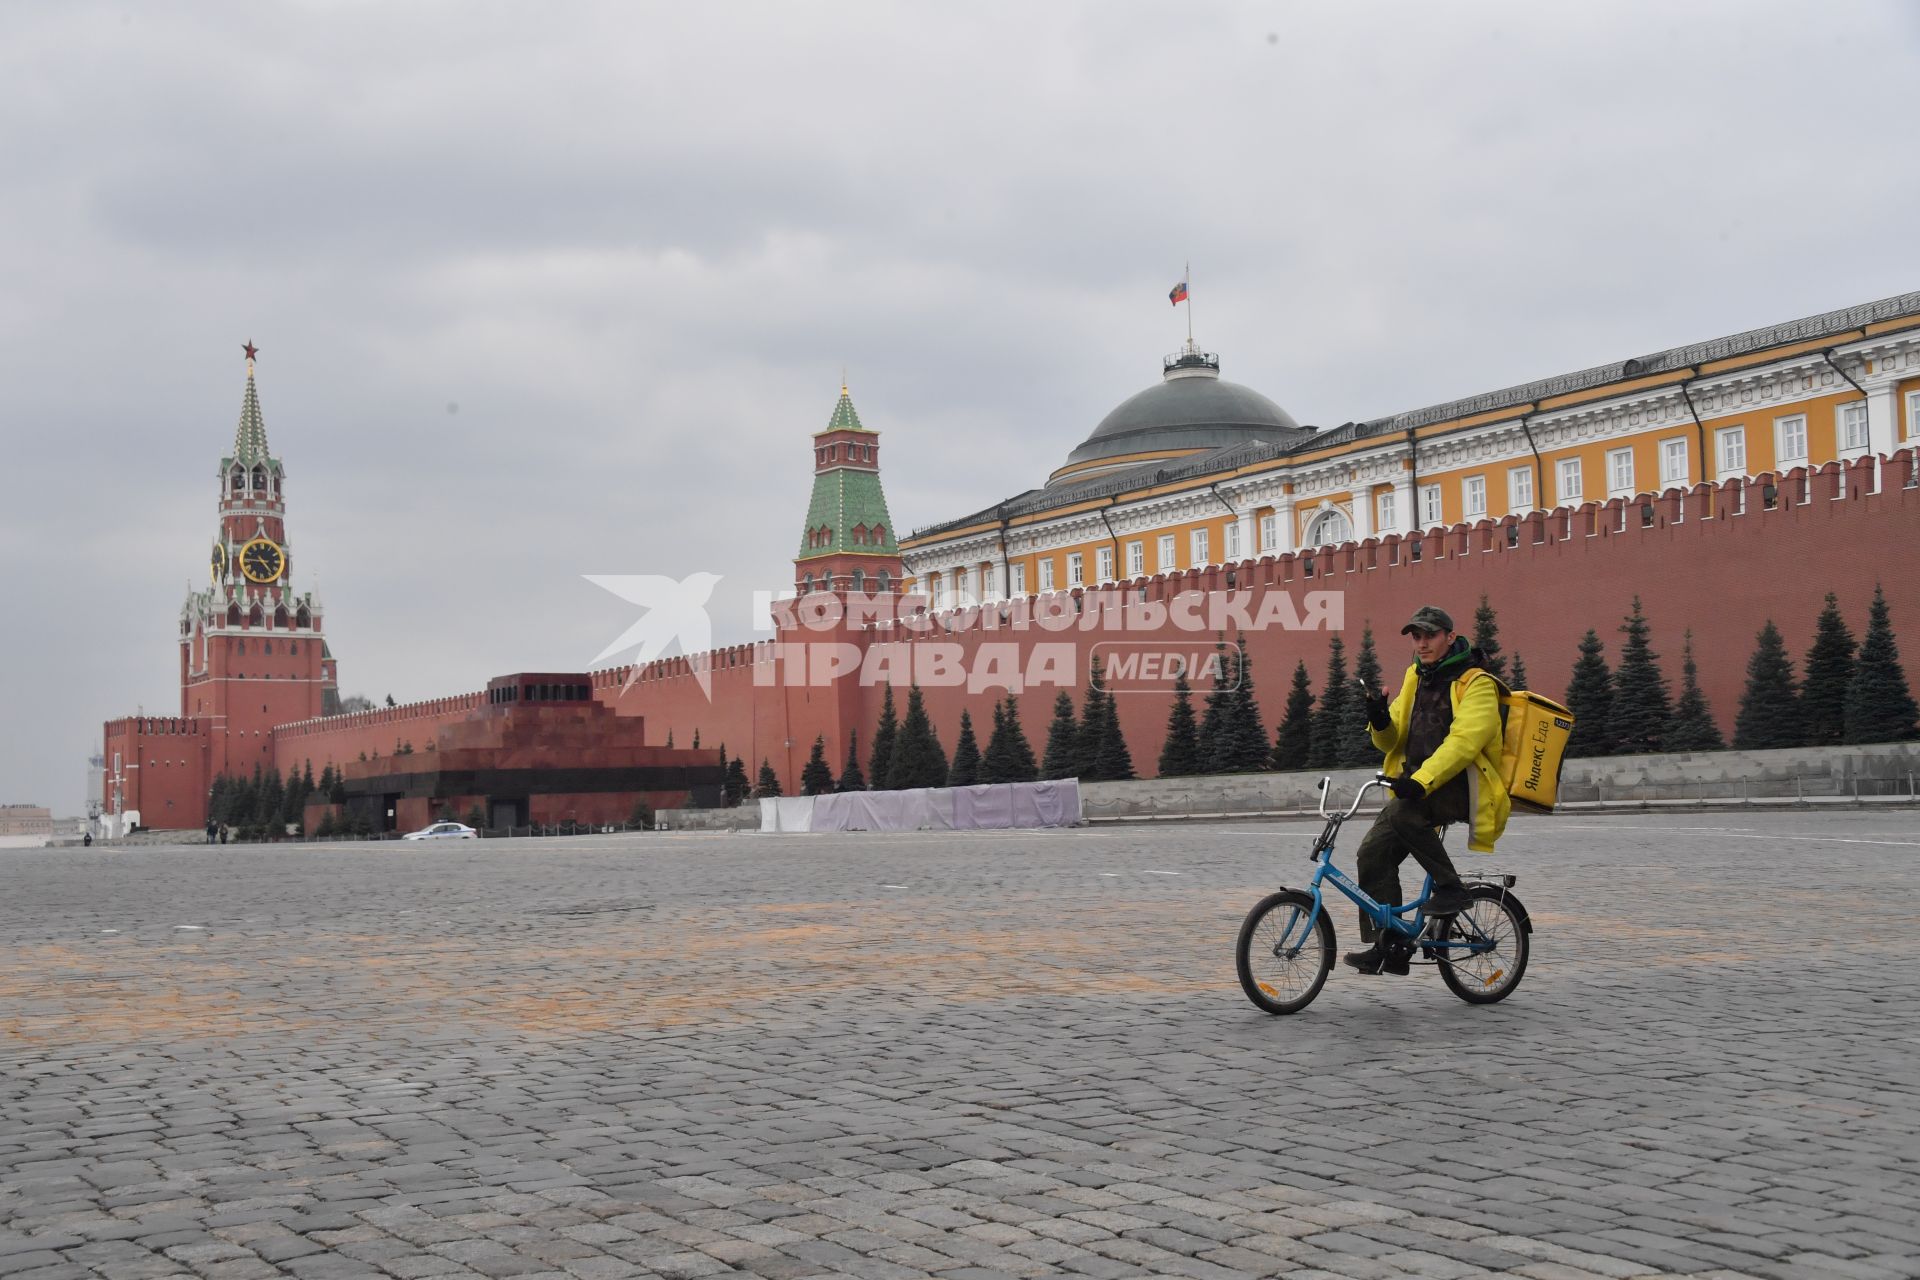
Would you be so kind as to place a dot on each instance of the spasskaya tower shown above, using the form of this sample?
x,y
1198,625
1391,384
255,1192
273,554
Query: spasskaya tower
x,y
252,649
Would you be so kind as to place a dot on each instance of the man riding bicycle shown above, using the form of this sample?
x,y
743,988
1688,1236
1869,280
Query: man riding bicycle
x,y
1441,735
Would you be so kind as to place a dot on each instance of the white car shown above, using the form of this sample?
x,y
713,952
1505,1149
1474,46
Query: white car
x,y
443,831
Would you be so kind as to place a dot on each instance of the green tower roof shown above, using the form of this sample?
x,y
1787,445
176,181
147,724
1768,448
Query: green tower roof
x,y
844,418
250,438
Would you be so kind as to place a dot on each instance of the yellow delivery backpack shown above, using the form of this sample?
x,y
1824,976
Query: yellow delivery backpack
x,y
1534,747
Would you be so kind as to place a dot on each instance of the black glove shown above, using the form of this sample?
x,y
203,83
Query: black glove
x,y
1377,715
1405,788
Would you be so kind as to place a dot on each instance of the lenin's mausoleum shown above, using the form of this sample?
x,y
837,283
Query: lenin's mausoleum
x,y
1726,483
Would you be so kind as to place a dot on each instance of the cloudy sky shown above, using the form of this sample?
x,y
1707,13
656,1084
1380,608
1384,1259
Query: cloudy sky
x,y
549,290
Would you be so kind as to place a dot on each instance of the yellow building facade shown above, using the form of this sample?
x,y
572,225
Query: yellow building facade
x,y
1198,471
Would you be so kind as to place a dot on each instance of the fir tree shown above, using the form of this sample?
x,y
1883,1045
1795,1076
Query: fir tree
x,y
1017,763
1324,752
1063,741
1356,737
1590,698
1880,706
1518,678
851,779
696,739
272,797
1114,761
1217,725
1486,638
669,739
1180,754
1249,749
880,754
735,785
1692,728
1770,707
965,769
769,781
918,760
1829,669
816,779
1295,736
1093,725
1637,720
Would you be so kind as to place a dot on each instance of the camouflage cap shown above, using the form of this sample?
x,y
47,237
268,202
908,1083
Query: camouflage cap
x,y
1428,618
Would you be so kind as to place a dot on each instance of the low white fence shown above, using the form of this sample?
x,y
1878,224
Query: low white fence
x,y
996,806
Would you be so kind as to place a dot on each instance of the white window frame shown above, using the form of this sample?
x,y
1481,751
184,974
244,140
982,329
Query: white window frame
x,y
1383,513
1519,490
1730,451
1165,554
1136,559
1913,415
1076,568
1019,580
1569,482
1433,510
1269,532
1046,574
1671,476
1199,543
1615,486
964,585
1842,414
939,584
1103,564
1784,430
1232,541
1473,497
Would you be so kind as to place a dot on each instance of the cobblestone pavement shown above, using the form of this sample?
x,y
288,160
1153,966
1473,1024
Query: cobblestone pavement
x,y
967,1056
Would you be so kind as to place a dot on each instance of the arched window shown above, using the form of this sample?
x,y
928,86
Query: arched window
x,y
233,615
1330,526
256,617
880,581
303,619
809,587
859,580
269,647
859,535
880,535
239,480
259,479
280,616
240,646
293,647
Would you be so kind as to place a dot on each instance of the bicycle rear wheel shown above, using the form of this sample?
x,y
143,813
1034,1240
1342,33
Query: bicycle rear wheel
x,y
1285,952
1489,968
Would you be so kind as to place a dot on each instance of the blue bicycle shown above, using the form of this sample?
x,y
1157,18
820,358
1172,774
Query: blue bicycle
x,y
1286,946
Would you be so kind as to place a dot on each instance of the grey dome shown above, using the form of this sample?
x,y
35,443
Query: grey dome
x,y
1192,411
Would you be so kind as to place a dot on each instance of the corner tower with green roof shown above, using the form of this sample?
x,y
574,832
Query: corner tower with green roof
x,y
848,543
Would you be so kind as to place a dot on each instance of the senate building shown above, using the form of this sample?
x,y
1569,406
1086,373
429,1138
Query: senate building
x,y
1717,486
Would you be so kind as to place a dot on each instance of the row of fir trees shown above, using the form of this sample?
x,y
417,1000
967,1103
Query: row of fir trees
x,y
264,805
1851,692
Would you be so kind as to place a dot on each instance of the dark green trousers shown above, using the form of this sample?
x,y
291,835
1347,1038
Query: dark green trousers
x,y
1404,827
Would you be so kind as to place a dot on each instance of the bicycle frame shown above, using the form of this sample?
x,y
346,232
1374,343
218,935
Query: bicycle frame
x,y
1386,918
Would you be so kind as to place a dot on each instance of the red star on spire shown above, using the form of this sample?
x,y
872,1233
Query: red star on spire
x,y
251,350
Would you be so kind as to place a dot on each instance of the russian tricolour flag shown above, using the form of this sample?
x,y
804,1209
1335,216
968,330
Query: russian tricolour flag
x,y
1178,294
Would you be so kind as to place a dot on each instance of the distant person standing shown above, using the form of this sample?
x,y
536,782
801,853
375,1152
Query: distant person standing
x,y
213,829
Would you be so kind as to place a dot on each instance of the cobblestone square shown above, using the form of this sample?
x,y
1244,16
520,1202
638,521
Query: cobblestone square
x,y
967,1056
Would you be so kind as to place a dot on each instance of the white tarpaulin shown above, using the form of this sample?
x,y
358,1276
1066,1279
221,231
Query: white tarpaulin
x,y
787,813
998,806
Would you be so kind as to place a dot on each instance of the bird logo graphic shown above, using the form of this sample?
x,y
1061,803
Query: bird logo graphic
x,y
675,612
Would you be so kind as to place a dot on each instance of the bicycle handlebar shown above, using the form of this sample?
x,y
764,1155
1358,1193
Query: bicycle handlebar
x,y
1326,785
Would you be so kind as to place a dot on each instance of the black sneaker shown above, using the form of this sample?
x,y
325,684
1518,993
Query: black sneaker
x,y
1398,961
1449,901
1368,961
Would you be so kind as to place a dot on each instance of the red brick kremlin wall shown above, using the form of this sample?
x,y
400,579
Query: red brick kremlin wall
x,y
1721,575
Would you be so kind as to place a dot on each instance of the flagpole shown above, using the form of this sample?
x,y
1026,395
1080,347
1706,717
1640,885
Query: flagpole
x,y
1189,303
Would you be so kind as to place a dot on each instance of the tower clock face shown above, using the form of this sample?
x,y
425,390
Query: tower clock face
x,y
262,560
219,562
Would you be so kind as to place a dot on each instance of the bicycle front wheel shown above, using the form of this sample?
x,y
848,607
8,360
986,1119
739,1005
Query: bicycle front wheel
x,y
1488,947
1285,952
